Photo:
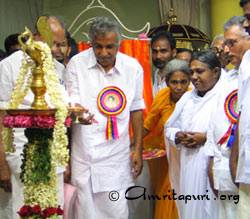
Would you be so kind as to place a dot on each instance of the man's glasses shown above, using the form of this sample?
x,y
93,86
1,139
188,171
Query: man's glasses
x,y
216,50
230,42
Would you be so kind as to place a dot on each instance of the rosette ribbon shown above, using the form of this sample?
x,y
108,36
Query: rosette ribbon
x,y
230,108
111,101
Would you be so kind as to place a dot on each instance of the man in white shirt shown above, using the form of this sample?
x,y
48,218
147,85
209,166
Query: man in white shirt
x,y
101,164
163,50
218,148
10,165
238,42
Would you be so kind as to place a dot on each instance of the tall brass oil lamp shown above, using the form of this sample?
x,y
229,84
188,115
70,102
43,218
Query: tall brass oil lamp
x,y
38,83
25,39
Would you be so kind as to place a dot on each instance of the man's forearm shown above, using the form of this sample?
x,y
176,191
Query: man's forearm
x,y
137,125
234,155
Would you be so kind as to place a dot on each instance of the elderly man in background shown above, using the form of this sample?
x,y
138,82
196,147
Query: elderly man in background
x,y
218,144
217,46
66,50
101,163
10,164
238,42
184,54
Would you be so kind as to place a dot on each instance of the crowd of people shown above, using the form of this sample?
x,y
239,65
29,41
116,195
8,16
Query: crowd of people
x,y
199,116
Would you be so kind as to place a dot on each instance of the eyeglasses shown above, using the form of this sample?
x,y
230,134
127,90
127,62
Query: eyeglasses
x,y
230,42
216,50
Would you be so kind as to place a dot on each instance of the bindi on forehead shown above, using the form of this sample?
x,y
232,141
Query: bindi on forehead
x,y
159,48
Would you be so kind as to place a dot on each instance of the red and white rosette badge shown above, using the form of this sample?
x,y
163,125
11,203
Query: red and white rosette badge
x,y
111,102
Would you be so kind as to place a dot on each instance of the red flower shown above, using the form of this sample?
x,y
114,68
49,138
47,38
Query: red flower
x,y
36,209
25,211
8,121
67,122
59,211
48,212
44,121
28,121
23,121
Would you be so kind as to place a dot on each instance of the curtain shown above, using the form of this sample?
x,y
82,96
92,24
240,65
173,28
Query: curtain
x,y
139,49
189,12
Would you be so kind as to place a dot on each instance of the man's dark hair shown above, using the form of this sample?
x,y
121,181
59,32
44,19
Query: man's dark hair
x,y
164,35
10,42
243,2
2,55
73,44
180,50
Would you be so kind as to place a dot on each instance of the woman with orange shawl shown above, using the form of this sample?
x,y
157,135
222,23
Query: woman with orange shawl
x,y
177,79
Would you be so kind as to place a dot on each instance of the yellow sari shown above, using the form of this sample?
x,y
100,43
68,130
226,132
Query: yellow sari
x,y
159,113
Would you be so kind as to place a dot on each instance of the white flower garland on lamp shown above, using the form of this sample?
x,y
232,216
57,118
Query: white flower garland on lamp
x,y
46,194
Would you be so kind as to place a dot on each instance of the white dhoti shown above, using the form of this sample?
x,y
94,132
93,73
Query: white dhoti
x,y
243,210
98,205
91,205
227,207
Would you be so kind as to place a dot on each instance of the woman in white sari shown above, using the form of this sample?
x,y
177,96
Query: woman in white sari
x,y
186,130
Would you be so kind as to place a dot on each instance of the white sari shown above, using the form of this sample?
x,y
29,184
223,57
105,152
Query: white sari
x,y
188,174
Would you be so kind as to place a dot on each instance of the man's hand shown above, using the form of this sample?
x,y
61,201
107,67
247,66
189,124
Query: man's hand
x,y
137,124
137,164
5,177
81,115
180,138
67,174
191,139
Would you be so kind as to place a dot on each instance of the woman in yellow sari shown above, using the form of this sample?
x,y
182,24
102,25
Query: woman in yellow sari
x,y
177,79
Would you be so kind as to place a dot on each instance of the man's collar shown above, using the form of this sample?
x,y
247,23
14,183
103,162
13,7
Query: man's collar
x,y
118,63
92,60
93,63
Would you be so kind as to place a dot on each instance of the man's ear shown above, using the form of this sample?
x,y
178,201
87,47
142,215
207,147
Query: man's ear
x,y
69,51
217,71
37,37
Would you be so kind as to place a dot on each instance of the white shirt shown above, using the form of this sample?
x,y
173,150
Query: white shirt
x,y
159,83
9,71
243,168
229,75
106,161
217,128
